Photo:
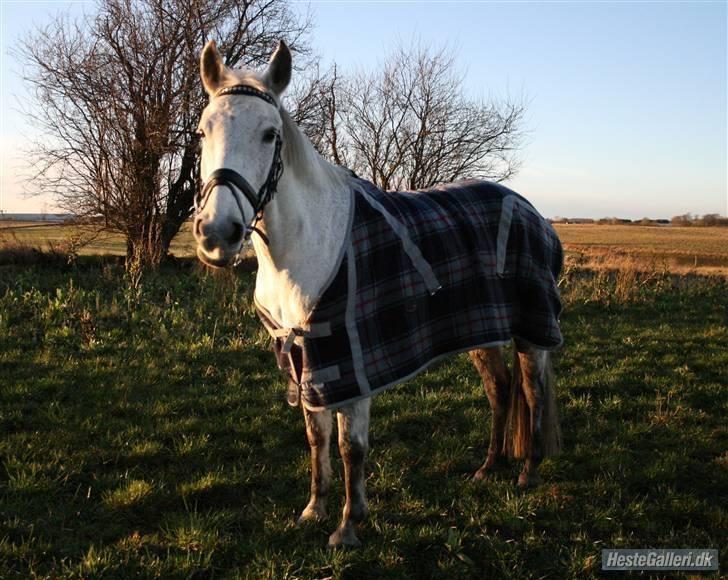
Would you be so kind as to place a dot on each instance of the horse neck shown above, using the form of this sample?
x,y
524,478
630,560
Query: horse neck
x,y
306,226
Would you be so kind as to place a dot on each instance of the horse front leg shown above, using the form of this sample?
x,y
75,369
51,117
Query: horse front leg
x,y
318,432
353,446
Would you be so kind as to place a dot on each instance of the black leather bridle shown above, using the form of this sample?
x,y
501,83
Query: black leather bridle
x,y
229,177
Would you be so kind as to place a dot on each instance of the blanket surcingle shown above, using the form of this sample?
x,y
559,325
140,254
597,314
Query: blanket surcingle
x,y
423,274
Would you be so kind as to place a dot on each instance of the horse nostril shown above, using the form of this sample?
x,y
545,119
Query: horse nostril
x,y
206,235
236,234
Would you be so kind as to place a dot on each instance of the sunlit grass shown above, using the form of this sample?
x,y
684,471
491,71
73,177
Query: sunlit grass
x,y
128,494
681,250
88,240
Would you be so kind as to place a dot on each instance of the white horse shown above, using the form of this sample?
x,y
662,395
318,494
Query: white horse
x,y
246,134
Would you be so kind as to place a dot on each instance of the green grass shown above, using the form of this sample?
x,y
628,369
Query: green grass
x,y
145,432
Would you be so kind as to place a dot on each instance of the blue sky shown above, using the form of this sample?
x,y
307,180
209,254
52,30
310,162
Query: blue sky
x,y
627,101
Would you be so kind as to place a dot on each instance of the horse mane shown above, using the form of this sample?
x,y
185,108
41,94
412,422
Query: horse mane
x,y
299,155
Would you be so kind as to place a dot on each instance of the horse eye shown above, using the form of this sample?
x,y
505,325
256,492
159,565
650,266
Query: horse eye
x,y
200,133
269,136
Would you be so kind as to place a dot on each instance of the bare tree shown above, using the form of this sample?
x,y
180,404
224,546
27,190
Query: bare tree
x,y
119,100
682,220
712,219
313,103
410,124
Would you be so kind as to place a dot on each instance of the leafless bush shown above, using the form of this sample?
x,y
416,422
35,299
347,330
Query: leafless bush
x,y
410,125
707,220
118,99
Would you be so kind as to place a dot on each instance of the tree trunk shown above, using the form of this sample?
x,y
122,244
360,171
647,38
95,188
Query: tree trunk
x,y
169,231
144,247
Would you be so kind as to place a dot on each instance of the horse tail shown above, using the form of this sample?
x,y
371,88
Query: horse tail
x,y
550,424
518,423
519,433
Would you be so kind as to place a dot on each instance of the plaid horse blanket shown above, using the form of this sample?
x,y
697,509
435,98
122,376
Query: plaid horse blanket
x,y
422,275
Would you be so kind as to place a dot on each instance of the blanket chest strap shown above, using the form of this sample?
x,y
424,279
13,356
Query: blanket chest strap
x,y
295,335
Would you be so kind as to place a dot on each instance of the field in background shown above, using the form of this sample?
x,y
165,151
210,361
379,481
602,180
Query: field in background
x,y
683,250
47,236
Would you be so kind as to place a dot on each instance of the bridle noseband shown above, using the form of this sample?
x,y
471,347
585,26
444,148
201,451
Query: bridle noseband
x,y
229,177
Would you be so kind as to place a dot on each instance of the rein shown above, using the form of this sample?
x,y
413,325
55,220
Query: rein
x,y
229,177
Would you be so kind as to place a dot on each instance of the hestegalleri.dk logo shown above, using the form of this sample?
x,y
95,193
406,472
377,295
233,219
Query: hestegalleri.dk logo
x,y
660,559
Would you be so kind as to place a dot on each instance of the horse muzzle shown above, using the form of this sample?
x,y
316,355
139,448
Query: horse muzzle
x,y
220,262
217,246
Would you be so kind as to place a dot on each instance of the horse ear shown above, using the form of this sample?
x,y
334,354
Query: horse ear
x,y
212,69
278,74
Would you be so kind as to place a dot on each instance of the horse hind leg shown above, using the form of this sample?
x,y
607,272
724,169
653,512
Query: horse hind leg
x,y
533,422
353,446
318,432
492,367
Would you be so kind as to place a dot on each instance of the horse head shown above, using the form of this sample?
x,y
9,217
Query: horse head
x,y
240,165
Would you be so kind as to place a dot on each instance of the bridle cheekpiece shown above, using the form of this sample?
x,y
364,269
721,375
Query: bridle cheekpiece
x,y
229,177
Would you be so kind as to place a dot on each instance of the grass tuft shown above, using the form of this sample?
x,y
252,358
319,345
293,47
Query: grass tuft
x,y
131,493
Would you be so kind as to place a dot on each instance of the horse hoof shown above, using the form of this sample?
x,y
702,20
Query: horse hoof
x,y
344,537
527,481
481,474
311,515
490,467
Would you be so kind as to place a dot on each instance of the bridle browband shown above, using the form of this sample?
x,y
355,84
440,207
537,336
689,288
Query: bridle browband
x,y
229,177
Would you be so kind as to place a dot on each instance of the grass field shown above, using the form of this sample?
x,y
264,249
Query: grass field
x,y
675,249
145,433
48,235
